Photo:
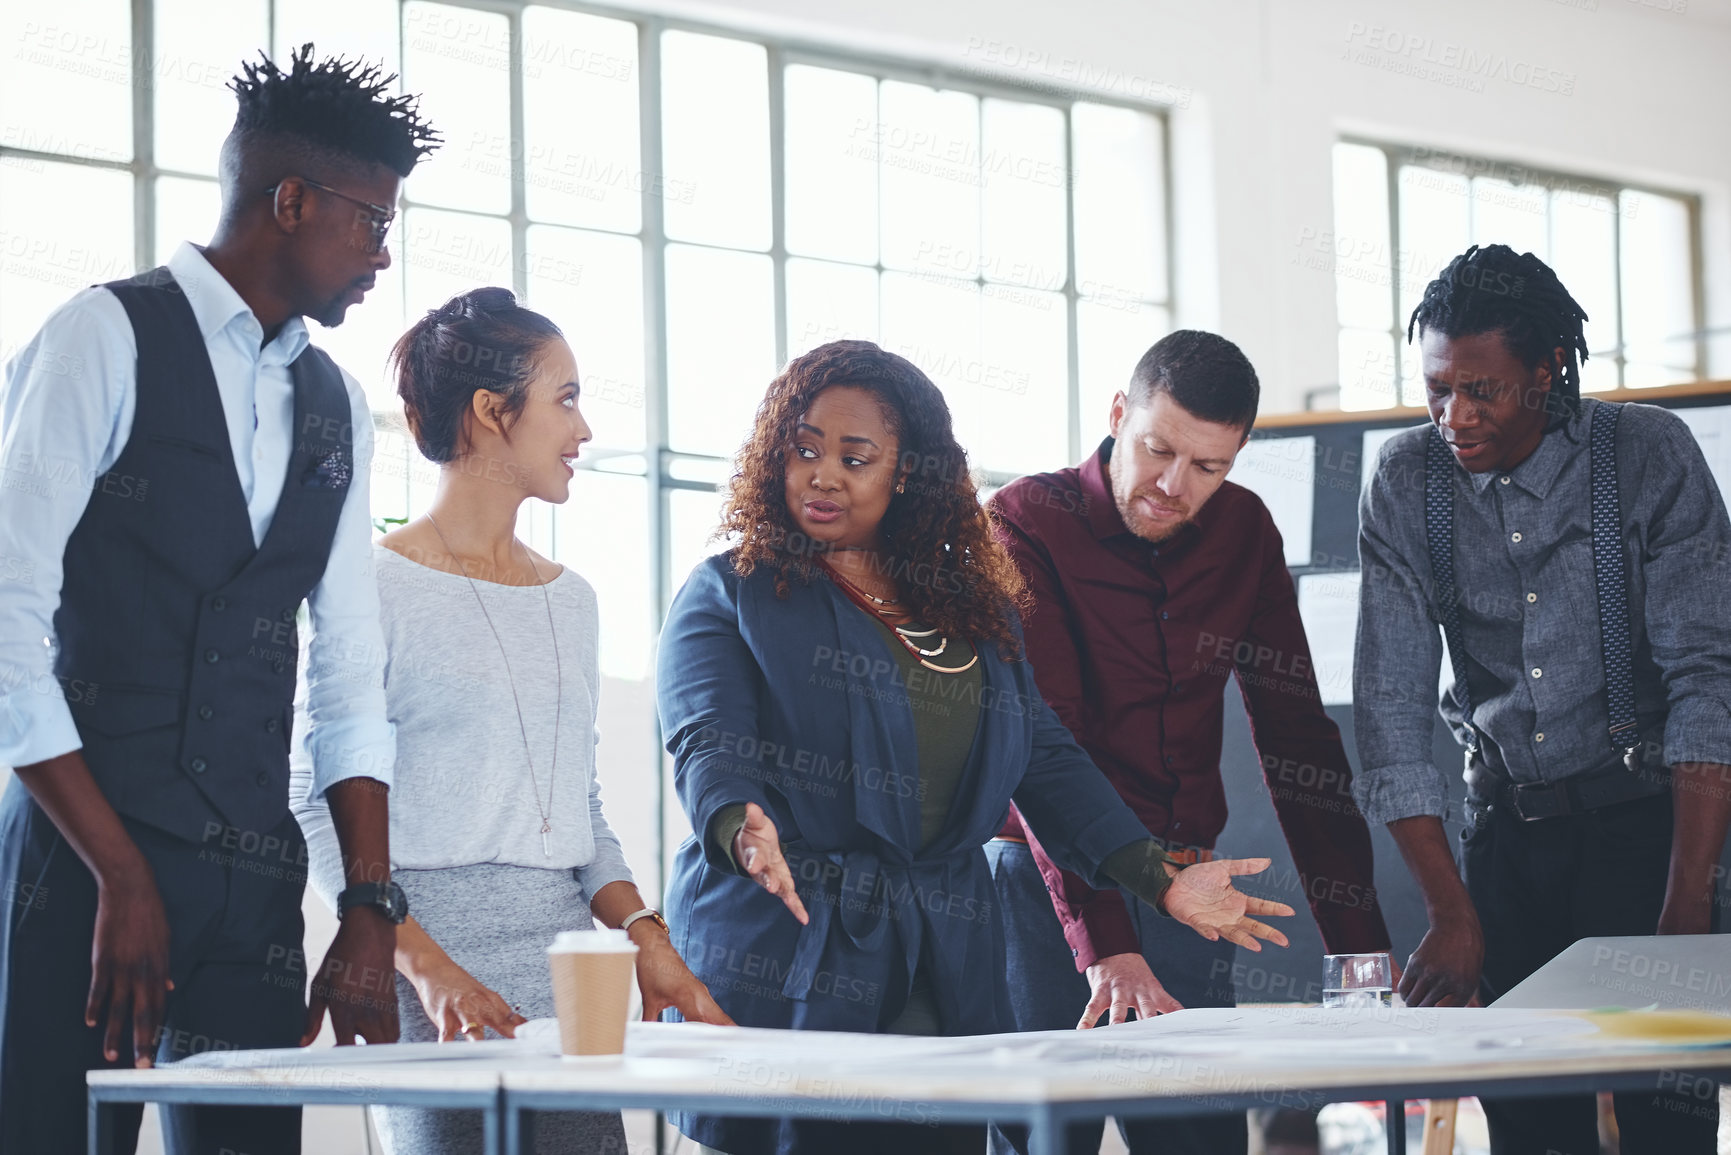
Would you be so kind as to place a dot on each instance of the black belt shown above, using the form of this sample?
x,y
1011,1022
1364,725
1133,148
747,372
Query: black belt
x,y
1531,801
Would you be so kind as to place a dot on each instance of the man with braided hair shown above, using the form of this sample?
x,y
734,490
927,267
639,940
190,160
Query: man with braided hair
x,y
203,474
1598,790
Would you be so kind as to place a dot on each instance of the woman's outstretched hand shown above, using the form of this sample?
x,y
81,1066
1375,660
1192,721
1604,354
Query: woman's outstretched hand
x,y
757,850
1203,898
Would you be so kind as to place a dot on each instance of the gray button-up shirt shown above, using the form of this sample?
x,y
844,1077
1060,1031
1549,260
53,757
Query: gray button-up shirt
x,y
1529,612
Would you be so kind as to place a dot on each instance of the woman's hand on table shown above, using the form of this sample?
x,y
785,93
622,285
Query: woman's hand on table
x,y
665,981
1203,898
461,1006
757,850
1123,983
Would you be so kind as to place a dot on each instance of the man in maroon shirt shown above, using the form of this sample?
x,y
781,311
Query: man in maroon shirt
x,y
1154,579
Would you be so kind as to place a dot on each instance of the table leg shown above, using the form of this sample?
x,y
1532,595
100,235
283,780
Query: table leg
x,y
519,1131
100,1121
1395,1112
492,1126
1046,1132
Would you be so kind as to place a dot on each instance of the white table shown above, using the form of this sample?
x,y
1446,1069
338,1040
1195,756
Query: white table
x,y
1189,1062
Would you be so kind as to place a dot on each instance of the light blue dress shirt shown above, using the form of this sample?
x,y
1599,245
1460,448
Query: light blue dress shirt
x,y
66,408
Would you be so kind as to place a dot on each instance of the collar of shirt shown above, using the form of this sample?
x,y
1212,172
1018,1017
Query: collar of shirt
x,y
217,306
1539,471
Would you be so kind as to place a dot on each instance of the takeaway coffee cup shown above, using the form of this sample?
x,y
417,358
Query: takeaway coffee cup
x,y
592,972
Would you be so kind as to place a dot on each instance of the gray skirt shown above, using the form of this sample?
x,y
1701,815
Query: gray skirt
x,y
495,922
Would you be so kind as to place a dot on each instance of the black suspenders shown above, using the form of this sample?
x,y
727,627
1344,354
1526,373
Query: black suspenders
x,y
1610,577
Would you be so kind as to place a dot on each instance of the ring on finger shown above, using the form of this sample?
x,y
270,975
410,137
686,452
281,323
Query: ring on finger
x,y
469,1027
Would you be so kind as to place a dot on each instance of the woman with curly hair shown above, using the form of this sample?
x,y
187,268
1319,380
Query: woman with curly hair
x,y
850,717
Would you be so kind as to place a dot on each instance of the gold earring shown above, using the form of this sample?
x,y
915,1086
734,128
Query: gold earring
x,y
901,486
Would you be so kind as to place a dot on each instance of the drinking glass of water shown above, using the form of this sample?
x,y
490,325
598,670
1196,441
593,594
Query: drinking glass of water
x,y
1357,980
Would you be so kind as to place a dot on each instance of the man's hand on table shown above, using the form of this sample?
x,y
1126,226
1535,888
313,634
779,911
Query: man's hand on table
x,y
1122,983
757,850
357,982
1444,970
129,965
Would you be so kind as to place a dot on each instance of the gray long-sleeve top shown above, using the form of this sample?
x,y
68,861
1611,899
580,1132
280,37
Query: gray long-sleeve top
x,y
1523,561
463,792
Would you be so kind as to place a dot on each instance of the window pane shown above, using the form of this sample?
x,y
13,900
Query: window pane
x,y
1120,203
1583,243
692,516
1358,251
394,453
603,534
1512,215
1658,293
459,61
591,285
1023,173
67,226
1368,373
720,346
583,161
363,341
1433,228
186,210
66,85
832,175
715,139
1112,335
936,324
828,302
928,168
364,29
1014,415
199,46
449,253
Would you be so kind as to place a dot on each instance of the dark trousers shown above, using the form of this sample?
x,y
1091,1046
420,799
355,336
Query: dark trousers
x,y
234,917
1047,993
1540,886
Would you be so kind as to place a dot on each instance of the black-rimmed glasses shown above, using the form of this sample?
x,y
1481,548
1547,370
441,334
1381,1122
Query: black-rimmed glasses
x,y
378,219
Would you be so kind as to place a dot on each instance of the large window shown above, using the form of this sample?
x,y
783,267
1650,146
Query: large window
x,y
1627,254
691,206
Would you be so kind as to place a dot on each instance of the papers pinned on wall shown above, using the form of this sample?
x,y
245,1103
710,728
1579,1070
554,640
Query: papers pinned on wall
x,y
1282,472
1328,603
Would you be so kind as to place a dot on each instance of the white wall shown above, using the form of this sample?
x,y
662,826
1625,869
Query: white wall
x,y
1264,87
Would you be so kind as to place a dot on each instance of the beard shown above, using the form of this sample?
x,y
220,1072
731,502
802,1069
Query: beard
x,y
1143,526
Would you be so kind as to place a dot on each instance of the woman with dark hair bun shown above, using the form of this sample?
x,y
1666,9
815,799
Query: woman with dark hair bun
x,y
498,837
850,717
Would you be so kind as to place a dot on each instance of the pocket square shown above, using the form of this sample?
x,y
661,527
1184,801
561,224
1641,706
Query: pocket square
x,y
332,471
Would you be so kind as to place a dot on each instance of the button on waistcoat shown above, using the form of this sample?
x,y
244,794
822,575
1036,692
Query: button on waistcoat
x,y
177,632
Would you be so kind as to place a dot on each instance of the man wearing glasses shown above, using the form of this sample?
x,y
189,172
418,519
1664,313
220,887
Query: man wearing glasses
x,y
174,500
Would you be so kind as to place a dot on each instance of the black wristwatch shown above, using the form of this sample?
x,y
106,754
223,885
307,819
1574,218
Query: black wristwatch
x,y
385,897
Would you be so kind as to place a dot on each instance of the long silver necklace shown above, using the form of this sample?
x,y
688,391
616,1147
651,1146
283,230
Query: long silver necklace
x,y
559,682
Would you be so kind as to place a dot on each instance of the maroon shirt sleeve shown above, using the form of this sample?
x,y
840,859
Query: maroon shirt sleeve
x,y
1305,765
1096,923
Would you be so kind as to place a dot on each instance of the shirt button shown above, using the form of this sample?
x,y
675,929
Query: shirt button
x,y
212,656
1532,597
1539,737
197,765
1177,687
1162,615
206,713
1538,673
288,615
1168,759
1504,479
270,725
263,779
1515,536
218,604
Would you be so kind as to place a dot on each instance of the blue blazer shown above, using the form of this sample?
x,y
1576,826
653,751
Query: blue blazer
x,y
798,705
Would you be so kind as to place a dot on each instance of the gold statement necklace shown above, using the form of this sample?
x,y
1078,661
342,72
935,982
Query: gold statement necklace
x,y
890,608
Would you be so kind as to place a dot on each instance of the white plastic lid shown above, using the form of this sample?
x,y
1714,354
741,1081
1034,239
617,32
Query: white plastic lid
x,y
598,941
